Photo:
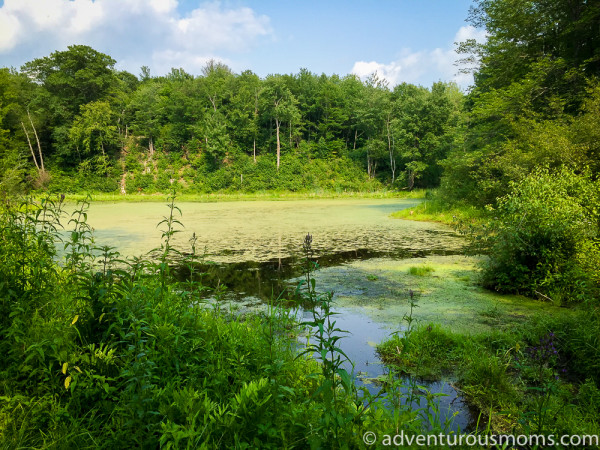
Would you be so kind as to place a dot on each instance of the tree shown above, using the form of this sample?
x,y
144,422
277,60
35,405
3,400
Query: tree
x,y
244,112
94,129
12,167
372,114
145,112
75,77
280,106
536,69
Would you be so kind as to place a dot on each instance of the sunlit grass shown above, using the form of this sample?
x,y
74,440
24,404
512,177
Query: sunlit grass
x,y
240,196
434,210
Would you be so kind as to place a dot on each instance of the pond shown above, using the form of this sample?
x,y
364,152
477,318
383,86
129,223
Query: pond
x,y
259,231
254,248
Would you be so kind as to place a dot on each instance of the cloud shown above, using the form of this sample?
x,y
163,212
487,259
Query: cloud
x,y
134,32
423,67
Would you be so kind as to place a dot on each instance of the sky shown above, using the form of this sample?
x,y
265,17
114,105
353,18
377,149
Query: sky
x,y
409,41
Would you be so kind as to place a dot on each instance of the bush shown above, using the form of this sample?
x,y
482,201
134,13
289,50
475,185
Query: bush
x,y
546,238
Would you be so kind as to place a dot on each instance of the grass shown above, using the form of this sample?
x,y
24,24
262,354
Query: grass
x,y
522,380
435,210
240,196
421,271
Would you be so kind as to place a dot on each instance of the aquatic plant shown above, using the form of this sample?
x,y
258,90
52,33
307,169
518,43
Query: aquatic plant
x,y
420,271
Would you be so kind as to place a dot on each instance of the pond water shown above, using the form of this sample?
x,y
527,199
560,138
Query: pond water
x,y
254,248
234,232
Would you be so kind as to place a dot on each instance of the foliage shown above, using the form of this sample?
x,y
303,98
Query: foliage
x,y
538,378
546,240
536,80
219,130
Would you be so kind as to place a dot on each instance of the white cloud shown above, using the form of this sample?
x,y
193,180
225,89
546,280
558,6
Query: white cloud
x,y
470,32
423,67
134,32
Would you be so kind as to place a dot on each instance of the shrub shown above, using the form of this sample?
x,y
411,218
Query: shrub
x,y
546,237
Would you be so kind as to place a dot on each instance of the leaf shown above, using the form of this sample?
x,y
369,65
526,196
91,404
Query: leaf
x,y
75,319
64,368
68,382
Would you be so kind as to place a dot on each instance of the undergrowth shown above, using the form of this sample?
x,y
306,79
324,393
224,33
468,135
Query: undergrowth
x,y
542,378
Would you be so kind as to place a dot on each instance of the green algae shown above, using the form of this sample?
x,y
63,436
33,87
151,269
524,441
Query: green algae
x,y
235,232
448,296
264,231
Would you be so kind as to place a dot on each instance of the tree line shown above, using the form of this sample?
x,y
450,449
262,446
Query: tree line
x,y
73,113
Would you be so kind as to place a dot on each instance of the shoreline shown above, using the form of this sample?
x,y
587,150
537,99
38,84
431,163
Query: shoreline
x,y
232,197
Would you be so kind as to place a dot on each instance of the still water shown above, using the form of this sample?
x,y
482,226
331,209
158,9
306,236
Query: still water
x,y
261,231
255,249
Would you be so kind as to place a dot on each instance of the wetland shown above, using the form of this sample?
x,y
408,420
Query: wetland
x,y
368,260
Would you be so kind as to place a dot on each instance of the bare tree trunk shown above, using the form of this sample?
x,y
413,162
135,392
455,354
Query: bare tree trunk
x,y
368,162
213,101
255,118
38,142
391,150
151,146
277,124
30,146
393,161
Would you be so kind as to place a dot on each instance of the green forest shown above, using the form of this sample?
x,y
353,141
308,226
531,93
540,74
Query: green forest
x,y
103,352
72,123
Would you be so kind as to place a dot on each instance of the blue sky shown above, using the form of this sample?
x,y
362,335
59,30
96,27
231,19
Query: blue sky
x,y
403,40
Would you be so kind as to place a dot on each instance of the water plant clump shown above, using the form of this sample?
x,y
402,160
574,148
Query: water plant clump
x,y
421,271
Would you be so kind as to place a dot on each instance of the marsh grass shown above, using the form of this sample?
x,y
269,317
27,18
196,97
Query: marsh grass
x,y
525,380
421,271
434,209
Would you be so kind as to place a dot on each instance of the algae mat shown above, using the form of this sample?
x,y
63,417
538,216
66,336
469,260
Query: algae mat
x,y
445,292
264,230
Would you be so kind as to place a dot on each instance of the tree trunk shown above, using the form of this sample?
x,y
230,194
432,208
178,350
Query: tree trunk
x,y
277,124
254,151
391,150
30,147
393,162
38,142
411,179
